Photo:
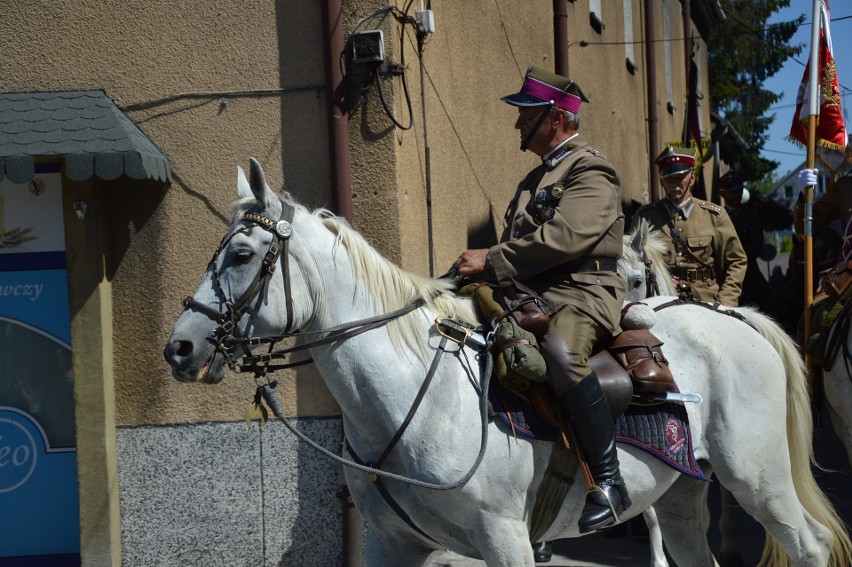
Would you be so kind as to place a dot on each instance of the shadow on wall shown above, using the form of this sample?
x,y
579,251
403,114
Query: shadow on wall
x,y
482,236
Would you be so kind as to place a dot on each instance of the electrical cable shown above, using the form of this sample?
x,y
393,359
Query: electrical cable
x,y
388,110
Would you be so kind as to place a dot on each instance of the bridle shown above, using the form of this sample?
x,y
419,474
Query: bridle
x,y
652,287
228,339
227,336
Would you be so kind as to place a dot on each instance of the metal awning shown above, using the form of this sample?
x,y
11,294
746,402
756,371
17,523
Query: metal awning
x,y
85,128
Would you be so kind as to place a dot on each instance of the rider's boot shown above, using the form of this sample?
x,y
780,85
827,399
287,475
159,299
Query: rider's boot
x,y
587,411
542,551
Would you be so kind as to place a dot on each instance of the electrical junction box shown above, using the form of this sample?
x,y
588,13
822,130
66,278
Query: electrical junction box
x,y
425,21
367,47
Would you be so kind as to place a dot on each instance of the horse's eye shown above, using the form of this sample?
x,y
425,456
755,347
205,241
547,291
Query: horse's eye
x,y
636,284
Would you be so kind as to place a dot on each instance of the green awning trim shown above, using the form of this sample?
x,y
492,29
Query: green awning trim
x,y
86,128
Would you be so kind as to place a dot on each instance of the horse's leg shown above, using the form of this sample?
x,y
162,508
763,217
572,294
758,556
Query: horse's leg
x,y
655,535
684,518
504,543
773,502
382,549
729,555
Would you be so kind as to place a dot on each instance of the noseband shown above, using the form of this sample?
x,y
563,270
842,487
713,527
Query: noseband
x,y
227,337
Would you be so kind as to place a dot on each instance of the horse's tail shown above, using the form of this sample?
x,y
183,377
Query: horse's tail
x,y
800,442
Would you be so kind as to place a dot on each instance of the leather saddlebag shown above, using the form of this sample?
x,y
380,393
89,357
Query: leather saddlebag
x,y
838,279
640,354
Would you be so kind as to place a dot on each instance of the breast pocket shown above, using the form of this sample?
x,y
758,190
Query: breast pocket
x,y
701,246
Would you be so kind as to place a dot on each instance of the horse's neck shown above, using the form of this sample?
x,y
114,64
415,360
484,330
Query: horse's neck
x,y
373,381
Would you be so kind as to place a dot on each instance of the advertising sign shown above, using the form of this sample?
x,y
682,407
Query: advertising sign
x,y
38,458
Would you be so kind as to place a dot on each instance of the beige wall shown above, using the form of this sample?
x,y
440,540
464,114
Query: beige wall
x,y
147,57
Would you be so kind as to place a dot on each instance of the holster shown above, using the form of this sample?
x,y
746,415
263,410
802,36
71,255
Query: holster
x,y
531,311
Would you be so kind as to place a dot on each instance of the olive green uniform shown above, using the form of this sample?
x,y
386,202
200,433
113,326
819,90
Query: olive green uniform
x,y
708,255
563,234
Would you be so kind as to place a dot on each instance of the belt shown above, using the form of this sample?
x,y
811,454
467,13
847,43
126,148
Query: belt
x,y
694,274
591,264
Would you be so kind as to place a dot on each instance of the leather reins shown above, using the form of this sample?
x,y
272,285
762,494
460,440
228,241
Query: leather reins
x,y
228,337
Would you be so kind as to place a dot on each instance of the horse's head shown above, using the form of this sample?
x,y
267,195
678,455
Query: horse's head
x,y
642,264
245,291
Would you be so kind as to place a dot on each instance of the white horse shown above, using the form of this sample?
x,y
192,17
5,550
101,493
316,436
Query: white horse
x,y
283,269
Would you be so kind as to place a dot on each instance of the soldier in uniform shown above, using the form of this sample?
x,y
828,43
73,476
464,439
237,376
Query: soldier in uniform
x,y
756,291
706,258
563,234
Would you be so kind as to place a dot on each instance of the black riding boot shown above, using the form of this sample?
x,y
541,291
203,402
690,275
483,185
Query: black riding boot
x,y
542,551
587,411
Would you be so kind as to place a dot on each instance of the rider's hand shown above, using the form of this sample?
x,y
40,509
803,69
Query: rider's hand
x,y
472,262
807,178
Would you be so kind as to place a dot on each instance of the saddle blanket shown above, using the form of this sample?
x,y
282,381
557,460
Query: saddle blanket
x,y
661,430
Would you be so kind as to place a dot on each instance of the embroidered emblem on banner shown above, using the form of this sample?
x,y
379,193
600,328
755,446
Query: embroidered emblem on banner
x,y
675,436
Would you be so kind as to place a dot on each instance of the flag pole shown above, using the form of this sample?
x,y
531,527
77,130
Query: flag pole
x,y
813,113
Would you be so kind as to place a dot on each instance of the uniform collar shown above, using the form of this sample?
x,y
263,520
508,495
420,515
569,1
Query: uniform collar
x,y
555,156
685,208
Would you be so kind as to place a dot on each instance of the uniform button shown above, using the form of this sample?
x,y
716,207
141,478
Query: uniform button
x,y
597,281
516,234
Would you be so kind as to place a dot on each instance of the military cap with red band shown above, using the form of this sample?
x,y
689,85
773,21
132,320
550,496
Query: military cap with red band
x,y
672,163
541,88
731,182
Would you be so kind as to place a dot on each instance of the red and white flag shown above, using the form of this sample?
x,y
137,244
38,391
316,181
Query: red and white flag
x,y
830,143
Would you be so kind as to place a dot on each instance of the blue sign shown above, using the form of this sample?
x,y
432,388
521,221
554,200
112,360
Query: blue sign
x,y
38,496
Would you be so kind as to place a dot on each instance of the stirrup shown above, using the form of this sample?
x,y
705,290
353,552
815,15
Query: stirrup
x,y
610,482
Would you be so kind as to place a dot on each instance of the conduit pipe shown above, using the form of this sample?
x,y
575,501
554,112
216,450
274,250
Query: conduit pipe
x,y
341,195
338,118
560,36
651,78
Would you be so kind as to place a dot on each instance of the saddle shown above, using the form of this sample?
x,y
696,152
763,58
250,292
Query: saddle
x,y
631,367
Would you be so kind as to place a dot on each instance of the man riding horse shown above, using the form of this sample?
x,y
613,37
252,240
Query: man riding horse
x,y
562,236
706,258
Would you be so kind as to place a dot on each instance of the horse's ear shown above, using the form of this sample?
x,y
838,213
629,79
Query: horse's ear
x,y
645,229
243,189
257,182
257,179
636,241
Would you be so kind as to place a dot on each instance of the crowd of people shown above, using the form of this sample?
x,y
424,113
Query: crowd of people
x,y
563,233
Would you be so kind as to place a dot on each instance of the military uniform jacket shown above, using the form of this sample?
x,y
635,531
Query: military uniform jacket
x,y
561,217
711,241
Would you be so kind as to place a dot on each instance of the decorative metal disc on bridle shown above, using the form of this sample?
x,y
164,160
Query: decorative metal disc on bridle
x,y
283,229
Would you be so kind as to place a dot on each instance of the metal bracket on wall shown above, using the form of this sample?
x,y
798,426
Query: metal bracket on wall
x,y
80,209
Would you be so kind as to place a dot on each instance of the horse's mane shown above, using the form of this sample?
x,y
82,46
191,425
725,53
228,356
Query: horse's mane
x,y
393,287
390,286
656,247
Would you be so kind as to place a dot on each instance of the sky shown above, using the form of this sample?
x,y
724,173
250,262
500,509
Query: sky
x,y
787,80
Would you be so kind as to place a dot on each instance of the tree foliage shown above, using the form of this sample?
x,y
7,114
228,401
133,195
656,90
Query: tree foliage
x,y
743,52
